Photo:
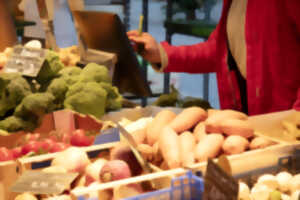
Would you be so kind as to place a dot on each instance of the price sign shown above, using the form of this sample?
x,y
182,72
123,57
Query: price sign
x,y
25,60
218,185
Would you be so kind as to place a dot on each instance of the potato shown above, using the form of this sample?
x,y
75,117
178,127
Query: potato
x,y
237,127
235,144
188,118
154,128
212,124
261,142
199,131
169,147
187,146
209,147
139,136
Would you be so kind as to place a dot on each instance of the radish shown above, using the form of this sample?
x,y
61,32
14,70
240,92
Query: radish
x,y
5,154
72,159
80,139
47,144
123,152
17,152
32,136
92,171
59,146
114,170
31,146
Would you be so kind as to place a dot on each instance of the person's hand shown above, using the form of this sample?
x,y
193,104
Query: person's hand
x,y
151,47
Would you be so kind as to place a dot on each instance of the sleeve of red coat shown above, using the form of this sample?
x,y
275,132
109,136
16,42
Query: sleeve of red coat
x,y
293,11
198,58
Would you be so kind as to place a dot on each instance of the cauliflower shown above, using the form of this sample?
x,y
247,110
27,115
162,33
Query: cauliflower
x,y
95,72
86,98
13,88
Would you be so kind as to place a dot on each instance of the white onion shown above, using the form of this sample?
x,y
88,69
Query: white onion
x,y
260,192
244,191
268,180
283,179
295,195
294,183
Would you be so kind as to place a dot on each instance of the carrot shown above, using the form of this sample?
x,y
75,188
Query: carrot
x,y
187,146
169,147
235,144
209,147
199,131
188,118
154,129
237,127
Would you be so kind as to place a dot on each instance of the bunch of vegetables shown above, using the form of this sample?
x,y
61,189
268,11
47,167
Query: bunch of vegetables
x,y
172,140
282,186
24,101
91,171
35,144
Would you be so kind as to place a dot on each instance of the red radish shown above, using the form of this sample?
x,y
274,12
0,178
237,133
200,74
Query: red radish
x,y
78,138
5,154
47,144
59,146
73,159
32,137
17,152
31,146
123,152
92,171
114,170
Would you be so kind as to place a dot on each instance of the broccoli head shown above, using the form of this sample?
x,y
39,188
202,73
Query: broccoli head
x,y
13,124
86,98
13,88
58,88
70,74
114,99
95,72
50,68
35,105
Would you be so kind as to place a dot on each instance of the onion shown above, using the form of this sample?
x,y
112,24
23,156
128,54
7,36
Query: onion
x,y
294,183
92,171
268,180
73,159
244,191
283,179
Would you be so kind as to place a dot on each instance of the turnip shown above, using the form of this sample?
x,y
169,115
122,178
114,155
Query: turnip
x,y
92,171
73,159
114,170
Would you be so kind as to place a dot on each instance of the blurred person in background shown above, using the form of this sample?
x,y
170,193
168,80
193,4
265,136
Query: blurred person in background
x,y
254,50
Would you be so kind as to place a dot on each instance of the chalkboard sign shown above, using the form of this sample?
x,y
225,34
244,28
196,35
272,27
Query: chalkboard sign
x,y
218,185
25,60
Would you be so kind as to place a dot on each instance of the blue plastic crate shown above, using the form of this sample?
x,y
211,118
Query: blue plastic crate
x,y
187,187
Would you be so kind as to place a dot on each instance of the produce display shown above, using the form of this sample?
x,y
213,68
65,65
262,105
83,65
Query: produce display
x,y
172,140
36,144
24,100
282,186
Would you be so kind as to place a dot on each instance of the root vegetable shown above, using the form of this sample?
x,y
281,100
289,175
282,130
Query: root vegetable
x,y
126,191
213,122
283,179
146,151
188,118
237,127
295,195
209,147
244,191
154,129
268,180
73,159
260,192
261,142
139,135
211,112
123,152
199,131
114,170
5,154
294,183
26,196
169,147
235,144
92,171
187,148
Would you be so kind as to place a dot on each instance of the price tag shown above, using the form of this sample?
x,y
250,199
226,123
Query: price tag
x,y
38,182
25,60
218,185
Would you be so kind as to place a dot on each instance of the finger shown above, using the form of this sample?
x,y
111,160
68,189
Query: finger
x,y
132,33
138,39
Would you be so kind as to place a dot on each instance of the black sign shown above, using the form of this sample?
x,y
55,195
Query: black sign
x,y
25,60
218,185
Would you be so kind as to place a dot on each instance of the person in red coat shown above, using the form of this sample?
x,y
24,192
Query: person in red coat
x,y
254,50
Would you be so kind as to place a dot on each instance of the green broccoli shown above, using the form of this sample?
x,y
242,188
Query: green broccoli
x,y
86,98
13,88
95,72
58,88
112,92
114,99
13,124
70,74
166,100
50,68
35,106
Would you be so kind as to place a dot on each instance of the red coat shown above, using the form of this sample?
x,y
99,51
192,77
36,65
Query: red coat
x,y
273,57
